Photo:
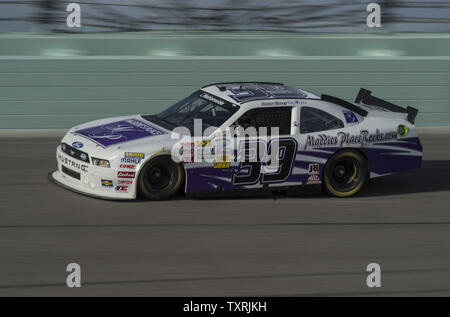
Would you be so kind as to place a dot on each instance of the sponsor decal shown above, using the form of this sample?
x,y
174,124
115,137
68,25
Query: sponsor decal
x,y
188,152
345,138
125,174
314,169
130,160
129,166
197,150
125,182
121,188
188,144
120,131
203,143
211,98
73,164
77,145
222,165
107,183
282,103
134,155
313,179
350,117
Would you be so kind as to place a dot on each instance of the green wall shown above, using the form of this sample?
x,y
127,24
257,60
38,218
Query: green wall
x,y
57,81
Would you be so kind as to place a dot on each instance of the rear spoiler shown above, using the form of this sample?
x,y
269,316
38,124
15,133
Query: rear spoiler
x,y
345,104
365,96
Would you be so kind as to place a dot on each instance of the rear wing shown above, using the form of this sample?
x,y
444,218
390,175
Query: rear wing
x,y
345,104
365,96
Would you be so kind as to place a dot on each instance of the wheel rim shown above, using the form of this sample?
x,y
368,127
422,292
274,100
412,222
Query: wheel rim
x,y
158,177
345,174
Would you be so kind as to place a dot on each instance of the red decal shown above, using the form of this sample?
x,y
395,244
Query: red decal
x,y
124,174
125,182
130,166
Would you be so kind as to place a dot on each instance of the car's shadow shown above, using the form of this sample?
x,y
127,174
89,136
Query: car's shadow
x,y
433,176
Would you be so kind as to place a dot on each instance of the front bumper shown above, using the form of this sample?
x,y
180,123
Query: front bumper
x,y
89,180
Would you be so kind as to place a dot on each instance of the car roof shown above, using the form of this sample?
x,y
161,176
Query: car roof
x,y
242,92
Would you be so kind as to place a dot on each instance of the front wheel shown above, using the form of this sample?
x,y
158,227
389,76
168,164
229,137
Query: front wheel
x,y
345,174
160,178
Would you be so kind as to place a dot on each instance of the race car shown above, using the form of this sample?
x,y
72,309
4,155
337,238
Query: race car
x,y
282,138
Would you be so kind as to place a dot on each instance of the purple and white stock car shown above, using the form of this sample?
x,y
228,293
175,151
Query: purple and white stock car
x,y
319,140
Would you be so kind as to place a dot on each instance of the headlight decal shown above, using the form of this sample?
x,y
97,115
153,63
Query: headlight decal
x,y
100,162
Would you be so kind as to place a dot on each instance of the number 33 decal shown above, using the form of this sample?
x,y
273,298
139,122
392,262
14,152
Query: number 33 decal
x,y
259,165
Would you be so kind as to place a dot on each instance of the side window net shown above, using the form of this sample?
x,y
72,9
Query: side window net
x,y
268,117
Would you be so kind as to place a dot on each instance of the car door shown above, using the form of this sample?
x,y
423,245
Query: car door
x,y
264,150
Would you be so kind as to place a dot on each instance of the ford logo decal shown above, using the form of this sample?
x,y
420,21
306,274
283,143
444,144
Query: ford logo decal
x,y
77,145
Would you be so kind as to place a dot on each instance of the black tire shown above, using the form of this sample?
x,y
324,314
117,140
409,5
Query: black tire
x,y
161,178
345,174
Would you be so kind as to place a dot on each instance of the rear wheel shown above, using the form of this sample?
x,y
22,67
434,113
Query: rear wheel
x,y
160,178
345,174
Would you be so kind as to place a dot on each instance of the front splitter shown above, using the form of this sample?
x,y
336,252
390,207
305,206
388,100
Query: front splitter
x,y
56,178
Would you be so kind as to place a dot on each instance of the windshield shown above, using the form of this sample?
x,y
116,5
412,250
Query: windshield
x,y
212,110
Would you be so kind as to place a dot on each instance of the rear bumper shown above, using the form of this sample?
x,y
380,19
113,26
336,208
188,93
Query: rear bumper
x,y
87,179
395,156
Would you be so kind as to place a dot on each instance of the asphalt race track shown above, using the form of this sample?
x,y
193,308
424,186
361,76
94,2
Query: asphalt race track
x,y
306,245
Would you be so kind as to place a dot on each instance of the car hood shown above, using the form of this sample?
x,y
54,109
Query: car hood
x,y
111,136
